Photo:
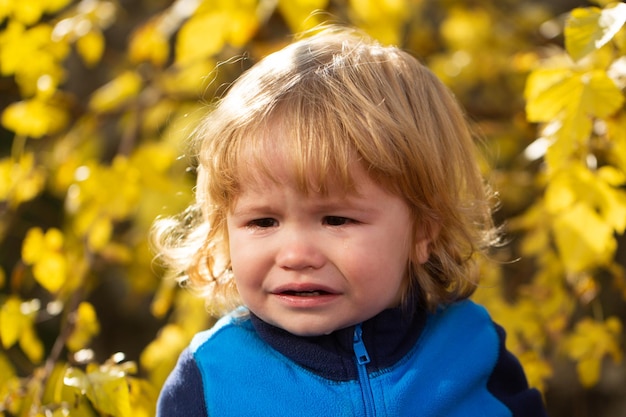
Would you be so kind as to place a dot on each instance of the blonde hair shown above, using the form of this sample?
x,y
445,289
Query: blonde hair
x,y
340,97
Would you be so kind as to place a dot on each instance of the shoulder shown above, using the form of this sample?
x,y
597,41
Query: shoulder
x,y
461,335
467,333
463,320
234,325
182,393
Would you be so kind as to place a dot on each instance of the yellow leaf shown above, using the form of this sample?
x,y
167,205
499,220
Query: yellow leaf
x,y
117,92
201,37
31,345
243,26
31,56
90,47
143,397
86,326
382,19
543,103
612,176
588,29
34,118
551,92
192,78
156,358
54,239
588,370
617,133
584,240
44,252
588,344
299,13
100,233
599,189
559,195
149,44
20,180
17,319
51,271
12,322
33,246
537,369
7,372
28,12
466,28
109,392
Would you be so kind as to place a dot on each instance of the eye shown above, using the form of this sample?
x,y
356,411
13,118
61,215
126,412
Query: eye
x,y
262,223
337,220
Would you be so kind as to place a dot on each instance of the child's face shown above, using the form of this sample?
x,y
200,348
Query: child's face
x,y
312,264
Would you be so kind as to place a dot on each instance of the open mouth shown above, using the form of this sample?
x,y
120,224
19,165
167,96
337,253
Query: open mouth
x,y
314,293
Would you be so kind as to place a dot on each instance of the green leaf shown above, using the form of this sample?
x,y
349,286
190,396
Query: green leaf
x,y
588,29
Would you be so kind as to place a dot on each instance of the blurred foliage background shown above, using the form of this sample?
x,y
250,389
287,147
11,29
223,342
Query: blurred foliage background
x,y
97,98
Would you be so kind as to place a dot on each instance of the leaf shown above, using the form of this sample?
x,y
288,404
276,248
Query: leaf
x,y
20,180
109,393
201,37
31,345
559,194
143,397
583,238
116,93
33,245
12,322
86,326
90,47
466,28
100,233
7,372
34,118
243,26
17,319
44,252
149,44
550,93
299,13
588,370
106,388
588,344
588,29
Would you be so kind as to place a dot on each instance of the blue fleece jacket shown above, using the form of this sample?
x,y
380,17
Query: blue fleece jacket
x,y
450,363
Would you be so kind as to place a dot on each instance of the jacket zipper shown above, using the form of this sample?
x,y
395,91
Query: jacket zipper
x,y
362,359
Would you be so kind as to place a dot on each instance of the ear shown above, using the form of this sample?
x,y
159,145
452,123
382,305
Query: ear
x,y
426,235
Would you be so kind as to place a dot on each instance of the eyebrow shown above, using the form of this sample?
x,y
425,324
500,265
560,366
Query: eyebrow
x,y
351,201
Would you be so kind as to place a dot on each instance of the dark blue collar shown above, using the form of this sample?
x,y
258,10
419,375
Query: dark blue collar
x,y
388,337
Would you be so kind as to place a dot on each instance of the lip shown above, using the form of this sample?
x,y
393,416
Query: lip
x,y
305,295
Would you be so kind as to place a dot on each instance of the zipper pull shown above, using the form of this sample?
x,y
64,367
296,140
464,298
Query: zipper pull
x,y
362,357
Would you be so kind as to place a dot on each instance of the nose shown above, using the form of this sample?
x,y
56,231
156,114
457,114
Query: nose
x,y
299,250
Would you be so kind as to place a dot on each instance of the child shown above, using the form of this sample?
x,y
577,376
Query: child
x,y
340,204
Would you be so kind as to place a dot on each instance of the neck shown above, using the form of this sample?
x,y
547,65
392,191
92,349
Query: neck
x,y
387,336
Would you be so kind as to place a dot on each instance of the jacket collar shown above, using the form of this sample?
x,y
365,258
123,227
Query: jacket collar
x,y
388,337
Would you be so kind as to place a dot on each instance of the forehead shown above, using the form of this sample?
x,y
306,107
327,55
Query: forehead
x,y
264,188
308,162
